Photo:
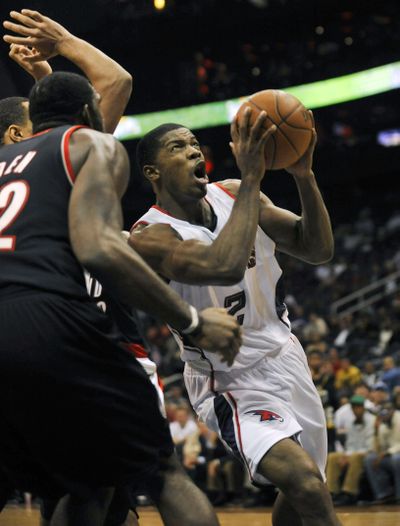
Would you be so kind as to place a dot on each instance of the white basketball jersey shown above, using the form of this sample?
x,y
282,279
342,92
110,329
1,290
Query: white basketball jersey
x,y
253,301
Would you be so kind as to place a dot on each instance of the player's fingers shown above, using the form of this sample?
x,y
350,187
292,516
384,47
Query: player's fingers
x,y
24,41
267,134
234,129
244,123
314,139
21,30
33,14
258,125
23,19
312,117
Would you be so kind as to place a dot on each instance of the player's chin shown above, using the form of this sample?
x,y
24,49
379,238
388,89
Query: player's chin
x,y
200,188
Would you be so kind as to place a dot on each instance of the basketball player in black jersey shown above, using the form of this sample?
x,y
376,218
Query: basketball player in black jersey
x,y
92,421
113,83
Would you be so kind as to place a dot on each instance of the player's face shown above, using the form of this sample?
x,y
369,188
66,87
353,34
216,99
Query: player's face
x,y
181,165
18,132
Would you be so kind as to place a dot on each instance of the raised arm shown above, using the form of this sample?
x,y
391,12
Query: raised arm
x,y
95,224
224,261
49,38
309,236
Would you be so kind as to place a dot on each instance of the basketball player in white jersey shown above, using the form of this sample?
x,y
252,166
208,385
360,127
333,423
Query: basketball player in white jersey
x,y
215,244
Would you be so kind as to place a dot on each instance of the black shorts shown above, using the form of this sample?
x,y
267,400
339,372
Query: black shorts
x,y
77,411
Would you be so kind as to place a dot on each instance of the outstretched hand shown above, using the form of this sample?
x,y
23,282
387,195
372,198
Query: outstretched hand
x,y
303,167
23,55
37,31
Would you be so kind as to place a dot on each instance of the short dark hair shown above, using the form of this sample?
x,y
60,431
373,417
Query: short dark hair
x,y
11,112
58,99
149,144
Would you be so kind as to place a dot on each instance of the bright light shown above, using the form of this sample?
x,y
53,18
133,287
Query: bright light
x,y
159,4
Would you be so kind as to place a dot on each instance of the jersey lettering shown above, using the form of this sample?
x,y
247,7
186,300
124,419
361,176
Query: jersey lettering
x,y
17,165
13,198
236,302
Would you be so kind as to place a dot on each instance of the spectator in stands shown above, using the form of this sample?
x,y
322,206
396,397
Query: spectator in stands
x,y
334,358
391,374
369,374
344,416
323,377
359,441
347,377
198,450
383,464
396,398
316,326
344,330
379,395
182,428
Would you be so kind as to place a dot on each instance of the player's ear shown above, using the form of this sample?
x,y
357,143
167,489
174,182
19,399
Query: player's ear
x,y
13,134
150,172
86,116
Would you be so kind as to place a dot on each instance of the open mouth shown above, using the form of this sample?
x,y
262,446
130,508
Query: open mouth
x,y
200,172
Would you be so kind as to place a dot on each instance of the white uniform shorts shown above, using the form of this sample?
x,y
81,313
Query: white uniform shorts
x,y
151,369
254,408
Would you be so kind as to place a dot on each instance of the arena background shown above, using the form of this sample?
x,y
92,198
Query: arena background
x,y
193,52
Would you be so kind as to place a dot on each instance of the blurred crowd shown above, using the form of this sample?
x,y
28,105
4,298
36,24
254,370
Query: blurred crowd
x,y
336,45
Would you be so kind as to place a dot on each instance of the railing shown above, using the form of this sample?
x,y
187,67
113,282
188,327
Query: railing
x,y
367,295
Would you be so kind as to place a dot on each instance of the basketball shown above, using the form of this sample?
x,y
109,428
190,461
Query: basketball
x,y
293,122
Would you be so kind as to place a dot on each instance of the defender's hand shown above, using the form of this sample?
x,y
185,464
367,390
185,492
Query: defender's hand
x,y
41,32
249,142
220,332
20,54
303,167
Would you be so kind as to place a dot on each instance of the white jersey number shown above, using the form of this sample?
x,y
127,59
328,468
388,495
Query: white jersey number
x,y
13,198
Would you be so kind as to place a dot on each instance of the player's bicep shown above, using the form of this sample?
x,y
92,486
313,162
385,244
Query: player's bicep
x,y
94,207
281,225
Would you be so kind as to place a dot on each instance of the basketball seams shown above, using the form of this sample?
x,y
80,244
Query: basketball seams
x,y
274,149
260,109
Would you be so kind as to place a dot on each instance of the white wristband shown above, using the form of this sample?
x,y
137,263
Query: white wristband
x,y
194,323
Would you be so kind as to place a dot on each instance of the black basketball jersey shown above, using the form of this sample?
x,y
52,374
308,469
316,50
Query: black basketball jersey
x,y
36,179
126,319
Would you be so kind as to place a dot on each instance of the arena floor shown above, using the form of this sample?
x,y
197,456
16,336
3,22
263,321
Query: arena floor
x,y
355,516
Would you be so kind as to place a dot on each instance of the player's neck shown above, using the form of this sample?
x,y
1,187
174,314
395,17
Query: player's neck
x,y
195,212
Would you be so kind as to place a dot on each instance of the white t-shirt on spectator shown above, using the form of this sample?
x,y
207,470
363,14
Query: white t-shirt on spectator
x,y
179,434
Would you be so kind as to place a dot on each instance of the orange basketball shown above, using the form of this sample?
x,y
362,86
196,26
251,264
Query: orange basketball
x,y
294,126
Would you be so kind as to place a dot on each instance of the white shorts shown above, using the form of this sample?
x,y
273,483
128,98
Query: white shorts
x,y
254,408
151,369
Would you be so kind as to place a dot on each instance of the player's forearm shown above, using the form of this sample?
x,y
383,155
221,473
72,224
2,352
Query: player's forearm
x,y
109,79
126,276
232,248
316,235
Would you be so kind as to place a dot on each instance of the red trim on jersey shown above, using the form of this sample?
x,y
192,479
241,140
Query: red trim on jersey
x,y
65,152
239,432
160,383
138,350
137,224
225,190
162,210
40,133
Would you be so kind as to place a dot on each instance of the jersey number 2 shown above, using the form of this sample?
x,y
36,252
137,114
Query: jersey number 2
x,y
236,302
13,198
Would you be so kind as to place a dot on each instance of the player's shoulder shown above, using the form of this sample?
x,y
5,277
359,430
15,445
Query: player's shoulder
x,y
90,136
143,230
232,185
